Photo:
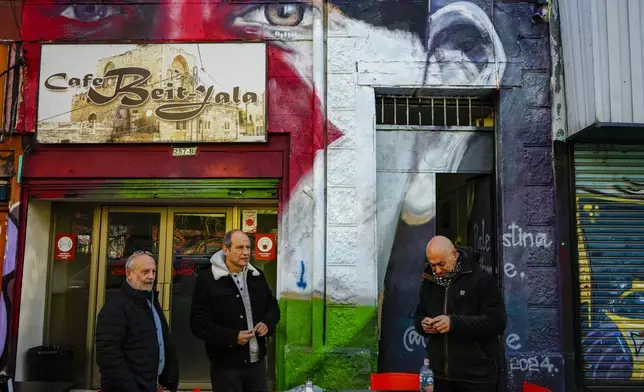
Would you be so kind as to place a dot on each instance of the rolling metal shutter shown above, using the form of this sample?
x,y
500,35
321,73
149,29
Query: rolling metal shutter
x,y
609,187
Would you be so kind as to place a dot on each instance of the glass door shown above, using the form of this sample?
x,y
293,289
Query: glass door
x,y
125,230
181,240
194,235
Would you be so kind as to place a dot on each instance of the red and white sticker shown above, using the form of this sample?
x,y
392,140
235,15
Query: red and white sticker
x,y
249,221
65,247
265,247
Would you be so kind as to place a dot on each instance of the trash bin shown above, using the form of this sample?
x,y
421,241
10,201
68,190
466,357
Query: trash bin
x,y
50,363
5,383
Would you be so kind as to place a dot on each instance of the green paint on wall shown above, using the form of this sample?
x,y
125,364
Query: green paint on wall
x,y
348,355
355,325
297,317
133,189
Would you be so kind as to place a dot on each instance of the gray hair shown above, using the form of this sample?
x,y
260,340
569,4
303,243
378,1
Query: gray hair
x,y
130,260
228,238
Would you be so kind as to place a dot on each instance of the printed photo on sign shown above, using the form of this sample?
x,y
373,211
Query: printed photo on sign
x,y
149,93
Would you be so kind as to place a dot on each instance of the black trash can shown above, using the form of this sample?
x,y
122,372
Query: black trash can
x,y
4,383
50,363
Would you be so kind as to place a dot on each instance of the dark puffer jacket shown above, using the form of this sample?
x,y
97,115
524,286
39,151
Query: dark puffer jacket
x,y
470,351
127,351
218,313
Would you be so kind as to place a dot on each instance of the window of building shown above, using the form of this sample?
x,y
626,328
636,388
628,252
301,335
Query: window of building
x,y
180,72
112,80
464,113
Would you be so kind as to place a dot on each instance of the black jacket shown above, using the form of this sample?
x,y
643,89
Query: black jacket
x,y
470,351
127,351
218,315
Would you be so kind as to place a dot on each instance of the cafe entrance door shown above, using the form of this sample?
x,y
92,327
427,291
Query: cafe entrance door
x,y
182,240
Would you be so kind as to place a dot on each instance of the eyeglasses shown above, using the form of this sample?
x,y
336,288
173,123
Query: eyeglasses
x,y
136,253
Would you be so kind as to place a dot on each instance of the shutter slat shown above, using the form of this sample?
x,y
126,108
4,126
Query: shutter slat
x,y
609,188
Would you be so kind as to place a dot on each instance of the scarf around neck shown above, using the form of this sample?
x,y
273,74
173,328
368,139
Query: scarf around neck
x,y
447,279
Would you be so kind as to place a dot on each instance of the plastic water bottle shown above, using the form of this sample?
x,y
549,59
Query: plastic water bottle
x,y
308,386
426,377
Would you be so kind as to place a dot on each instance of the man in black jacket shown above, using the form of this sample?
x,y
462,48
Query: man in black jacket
x,y
461,310
133,348
233,312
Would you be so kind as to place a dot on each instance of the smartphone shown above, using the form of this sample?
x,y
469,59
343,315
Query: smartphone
x,y
431,323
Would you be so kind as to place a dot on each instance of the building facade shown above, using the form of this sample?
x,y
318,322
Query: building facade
x,y
363,129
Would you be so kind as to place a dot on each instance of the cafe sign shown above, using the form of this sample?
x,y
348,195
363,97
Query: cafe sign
x,y
152,93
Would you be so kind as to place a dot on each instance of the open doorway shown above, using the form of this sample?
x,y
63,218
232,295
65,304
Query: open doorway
x,y
465,214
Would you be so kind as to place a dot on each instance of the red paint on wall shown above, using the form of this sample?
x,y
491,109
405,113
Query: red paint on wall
x,y
55,21
292,107
28,104
10,12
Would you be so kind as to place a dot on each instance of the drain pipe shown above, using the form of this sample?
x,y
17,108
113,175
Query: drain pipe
x,y
318,269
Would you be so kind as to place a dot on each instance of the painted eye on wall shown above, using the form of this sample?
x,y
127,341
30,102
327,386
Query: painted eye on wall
x,y
90,12
278,15
284,14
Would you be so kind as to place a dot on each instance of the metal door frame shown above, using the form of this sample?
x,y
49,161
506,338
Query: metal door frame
x,y
164,269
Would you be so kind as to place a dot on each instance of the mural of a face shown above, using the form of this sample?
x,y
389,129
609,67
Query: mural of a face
x,y
453,44
456,43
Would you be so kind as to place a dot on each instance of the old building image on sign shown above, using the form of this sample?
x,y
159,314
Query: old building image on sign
x,y
152,93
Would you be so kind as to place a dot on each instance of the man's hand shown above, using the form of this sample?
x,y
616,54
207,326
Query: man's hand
x,y
441,323
261,329
244,337
427,324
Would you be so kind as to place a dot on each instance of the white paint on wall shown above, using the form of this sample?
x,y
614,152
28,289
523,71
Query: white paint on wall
x,y
352,272
390,191
295,242
33,297
362,57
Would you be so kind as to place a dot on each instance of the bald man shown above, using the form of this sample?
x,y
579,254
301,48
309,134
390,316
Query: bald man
x,y
133,348
461,311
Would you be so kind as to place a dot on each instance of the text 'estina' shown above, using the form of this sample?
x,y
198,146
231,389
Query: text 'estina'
x,y
134,94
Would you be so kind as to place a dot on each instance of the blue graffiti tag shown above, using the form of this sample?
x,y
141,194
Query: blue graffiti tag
x,y
301,283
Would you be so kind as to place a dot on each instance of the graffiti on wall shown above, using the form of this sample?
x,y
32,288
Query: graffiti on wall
x,y
448,43
463,49
406,213
10,225
406,202
611,285
10,150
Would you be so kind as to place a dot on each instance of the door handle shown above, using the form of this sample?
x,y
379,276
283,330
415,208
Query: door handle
x,y
166,288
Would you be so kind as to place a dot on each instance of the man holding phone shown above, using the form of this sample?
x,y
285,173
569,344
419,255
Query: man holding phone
x,y
461,311
233,312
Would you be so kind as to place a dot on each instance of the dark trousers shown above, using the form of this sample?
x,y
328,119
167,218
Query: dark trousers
x,y
456,386
251,377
